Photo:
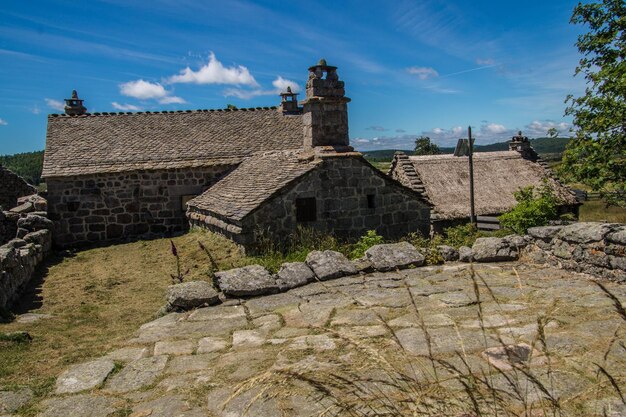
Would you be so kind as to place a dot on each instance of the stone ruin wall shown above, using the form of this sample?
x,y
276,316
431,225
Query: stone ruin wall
x,y
105,207
20,257
340,187
12,186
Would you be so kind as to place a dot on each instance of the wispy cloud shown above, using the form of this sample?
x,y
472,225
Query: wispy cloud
x,y
3,122
539,128
280,84
146,90
55,104
485,61
214,72
125,107
423,73
468,70
377,128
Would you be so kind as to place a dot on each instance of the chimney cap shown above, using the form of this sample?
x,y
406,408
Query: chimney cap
x,y
323,66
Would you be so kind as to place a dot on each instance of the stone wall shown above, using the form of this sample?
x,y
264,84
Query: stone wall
x,y
598,249
340,186
12,186
104,207
19,258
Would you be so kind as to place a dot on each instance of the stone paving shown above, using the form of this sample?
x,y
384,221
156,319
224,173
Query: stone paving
x,y
429,341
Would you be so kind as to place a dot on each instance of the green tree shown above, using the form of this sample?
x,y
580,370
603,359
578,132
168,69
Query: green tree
x,y
423,146
231,106
596,155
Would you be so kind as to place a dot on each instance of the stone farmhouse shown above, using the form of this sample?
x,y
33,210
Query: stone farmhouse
x,y
244,173
444,181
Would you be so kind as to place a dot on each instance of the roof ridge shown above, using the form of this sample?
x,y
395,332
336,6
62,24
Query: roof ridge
x,y
129,113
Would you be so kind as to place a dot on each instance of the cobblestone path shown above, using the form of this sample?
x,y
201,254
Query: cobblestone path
x,y
434,340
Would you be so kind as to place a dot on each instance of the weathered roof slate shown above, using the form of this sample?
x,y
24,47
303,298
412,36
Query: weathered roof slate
x,y
256,180
119,142
497,175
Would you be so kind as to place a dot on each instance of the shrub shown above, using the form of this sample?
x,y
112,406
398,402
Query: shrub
x,y
463,235
535,207
369,239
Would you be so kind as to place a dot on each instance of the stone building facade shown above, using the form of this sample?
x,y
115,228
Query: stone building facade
x,y
101,207
114,176
12,186
335,193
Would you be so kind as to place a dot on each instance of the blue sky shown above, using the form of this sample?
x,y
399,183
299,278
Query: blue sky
x,y
411,67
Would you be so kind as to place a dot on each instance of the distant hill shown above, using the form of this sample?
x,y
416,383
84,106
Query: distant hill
x,y
550,148
28,165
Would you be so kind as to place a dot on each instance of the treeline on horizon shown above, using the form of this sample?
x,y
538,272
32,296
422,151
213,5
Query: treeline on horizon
x,y
29,164
548,148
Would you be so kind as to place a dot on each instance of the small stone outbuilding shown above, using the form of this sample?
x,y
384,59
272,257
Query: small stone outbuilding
x,y
120,175
444,181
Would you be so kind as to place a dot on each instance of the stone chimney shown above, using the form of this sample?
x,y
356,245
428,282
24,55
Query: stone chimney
x,y
74,106
289,102
521,144
325,109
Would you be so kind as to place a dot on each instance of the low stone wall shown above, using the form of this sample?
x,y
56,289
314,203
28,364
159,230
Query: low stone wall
x,y
594,248
20,257
597,249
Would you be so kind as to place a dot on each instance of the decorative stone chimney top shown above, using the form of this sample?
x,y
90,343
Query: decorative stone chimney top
x,y
320,86
325,117
289,102
74,106
521,144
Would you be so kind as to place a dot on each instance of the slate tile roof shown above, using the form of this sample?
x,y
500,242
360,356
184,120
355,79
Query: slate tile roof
x,y
256,180
444,179
119,142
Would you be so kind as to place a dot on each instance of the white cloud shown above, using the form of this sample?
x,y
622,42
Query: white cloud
x,y
3,122
494,128
280,84
214,72
55,104
423,73
125,107
172,100
35,109
146,90
539,128
143,90
486,61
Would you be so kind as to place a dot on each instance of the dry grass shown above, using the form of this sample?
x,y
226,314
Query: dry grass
x,y
597,210
98,298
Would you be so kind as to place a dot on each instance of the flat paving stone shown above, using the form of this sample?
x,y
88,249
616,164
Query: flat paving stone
x,y
247,338
11,401
83,376
190,363
79,406
175,347
211,344
137,374
168,406
315,342
128,354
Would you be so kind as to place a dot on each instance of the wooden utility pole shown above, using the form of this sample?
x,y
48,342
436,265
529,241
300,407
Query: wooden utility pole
x,y
471,175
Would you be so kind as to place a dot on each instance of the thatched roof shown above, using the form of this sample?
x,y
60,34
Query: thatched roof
x,y
119,142
444,180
